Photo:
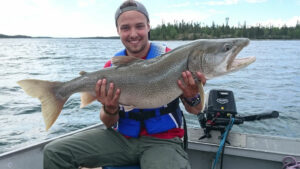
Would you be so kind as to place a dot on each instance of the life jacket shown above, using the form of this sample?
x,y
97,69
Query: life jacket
x,y
155,120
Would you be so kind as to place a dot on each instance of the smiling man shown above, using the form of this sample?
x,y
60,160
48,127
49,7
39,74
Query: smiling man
x,y
133,28
151,138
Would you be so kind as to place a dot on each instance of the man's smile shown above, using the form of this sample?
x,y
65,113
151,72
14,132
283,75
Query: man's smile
x,y
134,42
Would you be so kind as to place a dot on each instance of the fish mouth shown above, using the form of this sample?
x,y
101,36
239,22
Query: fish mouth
x,y
234,63
239,63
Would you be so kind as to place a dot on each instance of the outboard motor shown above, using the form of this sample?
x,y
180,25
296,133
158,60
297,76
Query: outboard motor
x,y
220,108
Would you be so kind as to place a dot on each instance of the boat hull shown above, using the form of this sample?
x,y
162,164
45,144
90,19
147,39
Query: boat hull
x,y
246,151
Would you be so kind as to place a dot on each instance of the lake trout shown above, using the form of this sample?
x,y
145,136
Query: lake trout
x,y
143,83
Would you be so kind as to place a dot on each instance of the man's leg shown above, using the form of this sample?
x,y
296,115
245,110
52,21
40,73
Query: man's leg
x,y
164,153
92,148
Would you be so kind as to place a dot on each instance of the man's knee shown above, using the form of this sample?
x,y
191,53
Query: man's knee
x,y
50,152
48,149
165,157
51,148
55,156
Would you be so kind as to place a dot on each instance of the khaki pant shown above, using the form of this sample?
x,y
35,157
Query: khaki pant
x,y
107,147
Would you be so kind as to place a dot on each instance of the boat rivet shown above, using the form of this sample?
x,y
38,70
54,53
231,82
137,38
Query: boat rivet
x,y
10,165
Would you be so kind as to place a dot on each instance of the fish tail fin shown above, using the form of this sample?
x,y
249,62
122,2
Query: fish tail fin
x,y
86,98
52,103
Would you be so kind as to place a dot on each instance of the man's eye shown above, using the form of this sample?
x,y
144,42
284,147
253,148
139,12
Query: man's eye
x,y
140,26
125,28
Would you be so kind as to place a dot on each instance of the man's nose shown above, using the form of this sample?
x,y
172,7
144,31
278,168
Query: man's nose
x,y
133,33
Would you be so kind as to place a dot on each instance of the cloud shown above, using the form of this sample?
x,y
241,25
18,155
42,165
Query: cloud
x,y
27,15
180,5
280,22
48,18
85,3
256,1
227,2
186,15
214,3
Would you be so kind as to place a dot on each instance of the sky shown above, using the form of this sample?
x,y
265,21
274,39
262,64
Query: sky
x,y
89,18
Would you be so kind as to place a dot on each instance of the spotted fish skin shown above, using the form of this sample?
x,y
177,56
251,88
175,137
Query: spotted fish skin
x,y
143,83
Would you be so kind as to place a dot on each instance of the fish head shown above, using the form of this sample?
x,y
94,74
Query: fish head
x,y
218,57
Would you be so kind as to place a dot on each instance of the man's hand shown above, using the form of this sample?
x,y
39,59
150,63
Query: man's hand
x,y
190,89
109,114
109,99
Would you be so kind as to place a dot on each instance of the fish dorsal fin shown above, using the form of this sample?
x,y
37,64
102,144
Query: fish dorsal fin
x,y
125,60
82,73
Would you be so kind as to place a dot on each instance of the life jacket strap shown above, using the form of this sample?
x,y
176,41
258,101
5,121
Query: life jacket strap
x,y
144,114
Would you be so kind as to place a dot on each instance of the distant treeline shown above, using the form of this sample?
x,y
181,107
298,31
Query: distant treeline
x,y
100,37
190,31
14,36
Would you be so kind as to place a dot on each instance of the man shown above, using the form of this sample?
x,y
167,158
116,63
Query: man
x,y
151,138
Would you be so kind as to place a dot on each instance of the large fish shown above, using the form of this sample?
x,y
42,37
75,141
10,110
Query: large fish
x,y
143,83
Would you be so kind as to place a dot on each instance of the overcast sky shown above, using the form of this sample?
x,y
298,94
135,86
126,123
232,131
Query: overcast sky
x,y
85,18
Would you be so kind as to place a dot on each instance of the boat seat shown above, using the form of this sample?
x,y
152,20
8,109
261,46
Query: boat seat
x,y
122,167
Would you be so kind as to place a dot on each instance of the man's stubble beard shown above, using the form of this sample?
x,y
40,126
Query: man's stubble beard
x,y
137,50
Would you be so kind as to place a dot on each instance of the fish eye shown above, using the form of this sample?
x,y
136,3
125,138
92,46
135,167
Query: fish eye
x,y
227,47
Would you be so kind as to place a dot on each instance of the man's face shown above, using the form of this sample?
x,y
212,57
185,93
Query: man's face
x,y
133,29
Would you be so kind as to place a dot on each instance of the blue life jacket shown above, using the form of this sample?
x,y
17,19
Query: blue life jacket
x,y
155,120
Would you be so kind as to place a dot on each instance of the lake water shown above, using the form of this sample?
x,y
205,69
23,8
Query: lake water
x,y
271,83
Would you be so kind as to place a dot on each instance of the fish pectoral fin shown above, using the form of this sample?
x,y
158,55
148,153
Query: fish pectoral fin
x,y
124,60
86,99
128,107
